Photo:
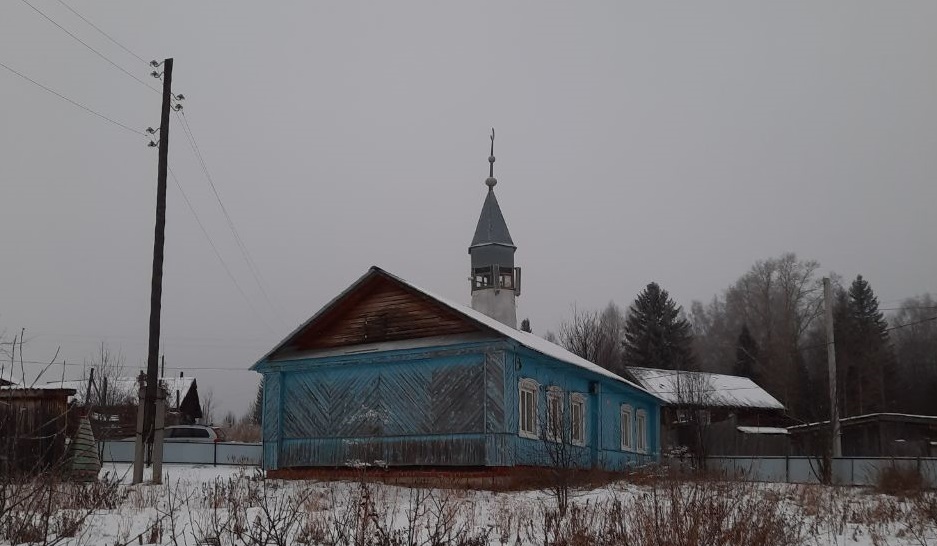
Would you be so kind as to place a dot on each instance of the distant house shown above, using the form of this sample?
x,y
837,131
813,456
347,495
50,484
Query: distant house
x,y
871,435
729,415
113,403
389,374
32,427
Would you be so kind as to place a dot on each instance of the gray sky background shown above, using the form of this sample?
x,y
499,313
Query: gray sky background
x,y
673,142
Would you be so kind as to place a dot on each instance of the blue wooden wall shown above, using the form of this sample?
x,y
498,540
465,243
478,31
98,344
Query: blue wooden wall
x,y
453,405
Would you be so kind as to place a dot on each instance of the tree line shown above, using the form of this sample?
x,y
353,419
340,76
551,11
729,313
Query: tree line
x,y
768,325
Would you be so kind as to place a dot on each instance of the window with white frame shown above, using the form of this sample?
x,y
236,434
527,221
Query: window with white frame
x,y
641,432
555,419
577,419
527,408
627,426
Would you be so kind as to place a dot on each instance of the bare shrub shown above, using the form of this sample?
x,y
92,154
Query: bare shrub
x,y
676,513
242,431
900,481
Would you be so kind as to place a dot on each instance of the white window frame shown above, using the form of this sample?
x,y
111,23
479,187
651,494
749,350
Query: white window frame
x,y
641,430
530,389
577,423
555,431
627,427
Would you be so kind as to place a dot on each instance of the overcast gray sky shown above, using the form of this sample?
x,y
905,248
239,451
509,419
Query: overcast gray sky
x,y
636,142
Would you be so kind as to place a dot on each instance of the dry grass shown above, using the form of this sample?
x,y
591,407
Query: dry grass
x,y
650,508
901,481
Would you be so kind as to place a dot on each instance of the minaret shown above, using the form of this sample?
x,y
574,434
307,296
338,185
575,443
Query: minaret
x,y
496,283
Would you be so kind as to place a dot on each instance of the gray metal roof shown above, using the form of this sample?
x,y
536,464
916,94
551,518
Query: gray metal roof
x,y
491,227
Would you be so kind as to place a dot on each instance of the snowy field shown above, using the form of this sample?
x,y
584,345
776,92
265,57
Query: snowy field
x,y
236,505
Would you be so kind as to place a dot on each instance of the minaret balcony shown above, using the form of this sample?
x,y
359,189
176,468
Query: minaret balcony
x,y
495,277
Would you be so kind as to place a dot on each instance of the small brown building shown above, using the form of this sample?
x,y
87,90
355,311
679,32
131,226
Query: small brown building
x,y
872,435
709,414
33,424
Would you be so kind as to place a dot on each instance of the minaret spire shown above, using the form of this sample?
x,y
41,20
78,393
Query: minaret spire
x,y
496,282
491,164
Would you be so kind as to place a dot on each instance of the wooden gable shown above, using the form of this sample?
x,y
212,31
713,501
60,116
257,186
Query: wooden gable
x,y
379,309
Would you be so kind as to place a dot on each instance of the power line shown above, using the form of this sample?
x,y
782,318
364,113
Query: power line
x,y
73,102
255,271
889,329
106,35
183,368
93,50
218,254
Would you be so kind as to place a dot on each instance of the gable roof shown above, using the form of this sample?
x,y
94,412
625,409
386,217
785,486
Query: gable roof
x,y
528,340
491,228
704,389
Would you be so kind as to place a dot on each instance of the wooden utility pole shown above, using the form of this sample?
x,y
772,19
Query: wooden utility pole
x,y
156,287
88,390
831,362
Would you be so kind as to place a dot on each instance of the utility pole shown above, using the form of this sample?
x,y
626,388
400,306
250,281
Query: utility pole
x,y
156,287
831,361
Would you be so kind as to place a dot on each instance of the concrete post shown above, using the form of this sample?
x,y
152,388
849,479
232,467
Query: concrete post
x,y
138,438
158,434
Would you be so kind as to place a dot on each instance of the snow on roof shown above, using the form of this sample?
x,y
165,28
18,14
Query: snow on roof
x,y
526,339
870,416
762,430
126,388
704,389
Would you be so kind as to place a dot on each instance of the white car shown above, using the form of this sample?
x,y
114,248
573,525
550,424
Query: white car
x,y
193,434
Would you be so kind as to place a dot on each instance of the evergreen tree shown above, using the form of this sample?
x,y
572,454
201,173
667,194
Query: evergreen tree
x,y
656,335
867,349
746,355
257,406
525,325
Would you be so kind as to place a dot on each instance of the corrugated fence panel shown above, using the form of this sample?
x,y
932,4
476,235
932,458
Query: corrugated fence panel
x,y
857,471
224,453
237,453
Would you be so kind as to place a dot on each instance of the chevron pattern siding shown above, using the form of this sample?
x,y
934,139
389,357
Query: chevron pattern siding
x,y
337,414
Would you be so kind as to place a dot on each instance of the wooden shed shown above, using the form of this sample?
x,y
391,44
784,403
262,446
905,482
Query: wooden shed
x,y
33,424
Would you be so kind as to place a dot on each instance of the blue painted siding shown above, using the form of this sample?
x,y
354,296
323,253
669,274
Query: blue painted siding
x,y
453,405
415,407
603,400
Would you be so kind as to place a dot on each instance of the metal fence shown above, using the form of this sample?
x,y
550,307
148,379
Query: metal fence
x,y
845,470
215,453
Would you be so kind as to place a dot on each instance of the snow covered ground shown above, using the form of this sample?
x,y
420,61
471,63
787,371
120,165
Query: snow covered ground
x,y
236,505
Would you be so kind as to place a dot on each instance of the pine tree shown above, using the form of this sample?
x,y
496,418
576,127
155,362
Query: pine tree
x,y
867,349
746,355
525,325
656,335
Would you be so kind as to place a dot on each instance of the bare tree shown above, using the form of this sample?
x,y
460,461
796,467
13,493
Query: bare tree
x,y
208,407
694,395
595,336
779,299
108,367
561,434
